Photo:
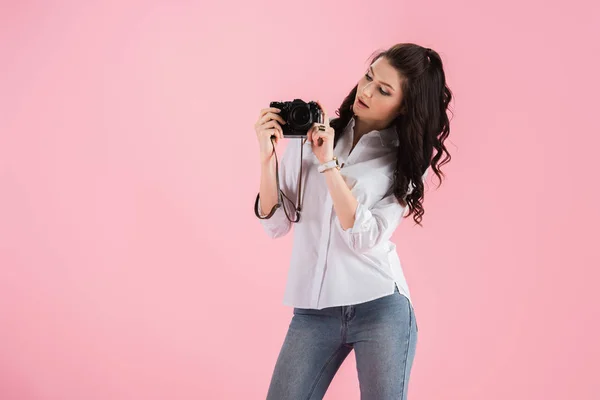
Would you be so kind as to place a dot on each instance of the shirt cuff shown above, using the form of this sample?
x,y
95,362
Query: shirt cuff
x,y
362,216
276,226
259,209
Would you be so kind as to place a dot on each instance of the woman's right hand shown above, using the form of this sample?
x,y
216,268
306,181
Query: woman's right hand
x,y
268,125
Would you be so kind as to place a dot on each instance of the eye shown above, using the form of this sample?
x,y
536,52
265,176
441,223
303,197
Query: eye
x,y
380,89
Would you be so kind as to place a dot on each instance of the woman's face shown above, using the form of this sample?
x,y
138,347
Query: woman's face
x,y
379,95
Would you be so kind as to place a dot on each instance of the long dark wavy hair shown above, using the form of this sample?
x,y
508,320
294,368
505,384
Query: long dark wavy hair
x,y
423,126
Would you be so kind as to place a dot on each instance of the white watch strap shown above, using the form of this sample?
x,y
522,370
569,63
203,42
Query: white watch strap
x,y
328,165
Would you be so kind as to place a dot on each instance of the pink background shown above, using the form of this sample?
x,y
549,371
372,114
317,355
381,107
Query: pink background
x,y
133,267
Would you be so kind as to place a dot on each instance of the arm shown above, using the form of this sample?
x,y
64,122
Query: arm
x,y
278,224
268,187
344,202
363,228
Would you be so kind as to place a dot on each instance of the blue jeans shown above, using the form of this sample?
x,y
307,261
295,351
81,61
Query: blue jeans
x,y
383,332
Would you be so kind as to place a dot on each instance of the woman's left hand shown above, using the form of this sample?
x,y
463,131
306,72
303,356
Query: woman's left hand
x,y
321,136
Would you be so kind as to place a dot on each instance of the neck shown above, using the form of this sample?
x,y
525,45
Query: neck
x,y
362,127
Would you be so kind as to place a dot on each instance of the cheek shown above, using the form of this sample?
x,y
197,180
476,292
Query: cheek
x,y
383,106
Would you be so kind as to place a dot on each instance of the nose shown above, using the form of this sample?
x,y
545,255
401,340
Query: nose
x,y
368,90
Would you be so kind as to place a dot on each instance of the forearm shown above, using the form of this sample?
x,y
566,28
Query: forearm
x,y
344,202
268,186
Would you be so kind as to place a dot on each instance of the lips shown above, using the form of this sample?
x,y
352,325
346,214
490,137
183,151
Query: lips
x,y
362,102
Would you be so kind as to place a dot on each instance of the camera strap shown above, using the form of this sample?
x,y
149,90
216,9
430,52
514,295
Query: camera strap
x,y
280,194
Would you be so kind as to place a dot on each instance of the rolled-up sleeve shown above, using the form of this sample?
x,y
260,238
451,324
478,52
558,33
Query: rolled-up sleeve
x,y
279,225
375,225
372,226
276,226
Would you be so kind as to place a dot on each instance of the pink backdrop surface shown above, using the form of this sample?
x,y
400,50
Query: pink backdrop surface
x,y
132,265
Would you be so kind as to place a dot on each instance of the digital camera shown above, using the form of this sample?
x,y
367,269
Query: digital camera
x,y
299,116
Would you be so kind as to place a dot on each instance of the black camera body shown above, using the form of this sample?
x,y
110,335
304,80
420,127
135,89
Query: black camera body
x,y
299,116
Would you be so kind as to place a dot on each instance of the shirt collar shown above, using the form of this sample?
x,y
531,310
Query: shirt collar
x,y
387,137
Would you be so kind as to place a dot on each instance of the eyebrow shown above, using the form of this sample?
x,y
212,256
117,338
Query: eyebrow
x,y
383,83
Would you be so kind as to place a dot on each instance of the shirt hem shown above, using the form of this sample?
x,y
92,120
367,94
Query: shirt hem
x,y
290,304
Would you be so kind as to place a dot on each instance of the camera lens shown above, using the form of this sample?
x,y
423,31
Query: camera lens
x,y
300,115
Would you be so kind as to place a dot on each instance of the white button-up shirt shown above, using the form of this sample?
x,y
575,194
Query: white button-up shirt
x,y
331,266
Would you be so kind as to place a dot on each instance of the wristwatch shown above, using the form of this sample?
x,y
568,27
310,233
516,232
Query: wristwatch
x,y
329,164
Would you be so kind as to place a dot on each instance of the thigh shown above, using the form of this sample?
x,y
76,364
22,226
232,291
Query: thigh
x,y
311,354
385,347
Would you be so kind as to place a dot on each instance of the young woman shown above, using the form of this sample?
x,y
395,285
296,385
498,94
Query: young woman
x,y
345,281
